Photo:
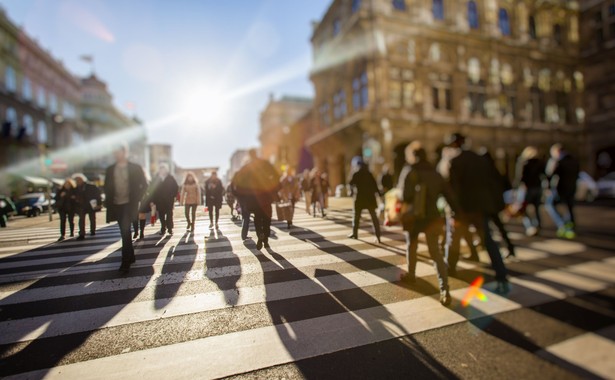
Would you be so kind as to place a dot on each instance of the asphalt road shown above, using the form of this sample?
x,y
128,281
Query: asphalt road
x,y
315,305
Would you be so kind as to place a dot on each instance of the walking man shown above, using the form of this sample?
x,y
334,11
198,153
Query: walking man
x,y
562,171
165,192
214,192
125,185
88,201
366,189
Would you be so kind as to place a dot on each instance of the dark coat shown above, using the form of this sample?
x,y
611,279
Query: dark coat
x,y
256,184
367,188
533,173
65,200
476,184
214,192
137,185
164,193
566,174
424,174
84,194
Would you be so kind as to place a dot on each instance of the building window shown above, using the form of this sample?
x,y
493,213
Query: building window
x,y
323,111
27,88
437,9
474,70
339,105
11,115
472,14
53,103
400,5
337,26
612,8
448,99
41,98
504,22
557,34
435,97
10,79
356,4
28,125
532,25
442,98
41,131
477,102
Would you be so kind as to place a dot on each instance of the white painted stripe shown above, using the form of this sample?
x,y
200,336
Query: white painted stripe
x,y
17,295
590,351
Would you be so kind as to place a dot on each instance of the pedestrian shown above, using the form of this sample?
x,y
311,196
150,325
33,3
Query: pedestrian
x,y
88,201
306,188
472,182
191,199
386,179
66,204
125,186
562,171
214,193
257,183
365,197
530,174
230,199
165,190
421,186
289,194
145,208
320,190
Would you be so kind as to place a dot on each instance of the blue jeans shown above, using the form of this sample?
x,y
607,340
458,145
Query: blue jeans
x,y
432,229
550,205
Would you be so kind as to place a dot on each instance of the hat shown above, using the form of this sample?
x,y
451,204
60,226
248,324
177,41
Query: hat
x,y
356,161
80,175
455,139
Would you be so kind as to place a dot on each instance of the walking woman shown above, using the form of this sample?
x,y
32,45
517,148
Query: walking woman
x,y
214,192
65,203
320,190
289,194
191,199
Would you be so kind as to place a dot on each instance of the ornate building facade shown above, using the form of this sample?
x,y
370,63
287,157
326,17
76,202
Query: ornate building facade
x,y
275,128
505,73
598,54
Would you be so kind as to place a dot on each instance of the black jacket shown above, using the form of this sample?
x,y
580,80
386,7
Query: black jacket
x,y
137,185
476,184
367,188
425,175
565,176
84,194
164,193
214,192
533,173
65,200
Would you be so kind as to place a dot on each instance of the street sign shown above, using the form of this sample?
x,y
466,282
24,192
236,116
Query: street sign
x,y
58,166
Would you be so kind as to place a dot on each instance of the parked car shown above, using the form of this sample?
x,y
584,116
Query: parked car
x,y
587,189
606,186
7,206
33,204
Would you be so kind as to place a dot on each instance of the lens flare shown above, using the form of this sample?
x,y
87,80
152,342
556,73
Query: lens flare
x,y
474,292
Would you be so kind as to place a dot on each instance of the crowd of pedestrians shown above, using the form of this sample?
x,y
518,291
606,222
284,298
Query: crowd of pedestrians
x,y
460,196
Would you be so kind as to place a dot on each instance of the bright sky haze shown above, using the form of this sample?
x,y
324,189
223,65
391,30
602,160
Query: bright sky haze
x,y
198,72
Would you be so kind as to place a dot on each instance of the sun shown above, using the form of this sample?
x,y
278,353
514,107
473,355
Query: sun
x,y
204,106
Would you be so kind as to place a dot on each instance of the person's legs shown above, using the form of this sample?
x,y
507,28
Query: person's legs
x,y
376,223
193,212
217,208
266,223
81,225
124,222
187,215
259,226
71,222
412,244
452,256
141,228
495,218
170,223
494,252
162,215
432,232
245,220
62,223
92,215
356,220
550,206
570,205
211,216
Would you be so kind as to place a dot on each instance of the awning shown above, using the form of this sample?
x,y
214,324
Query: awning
x,y
37,181
58,181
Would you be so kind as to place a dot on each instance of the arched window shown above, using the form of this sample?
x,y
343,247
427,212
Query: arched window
x,y
557,34
437,8
474,70
28,124
472,14
41,131
10,79
532,25
400,5
504,22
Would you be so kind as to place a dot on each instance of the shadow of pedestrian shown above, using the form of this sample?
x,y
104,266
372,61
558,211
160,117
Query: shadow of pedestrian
x,y
322,327
177,265
222,266
65,311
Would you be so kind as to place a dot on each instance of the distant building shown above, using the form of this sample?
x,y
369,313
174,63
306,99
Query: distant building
x,y
102,121
386,72
275,127
598,57
39,100
158,154
238,158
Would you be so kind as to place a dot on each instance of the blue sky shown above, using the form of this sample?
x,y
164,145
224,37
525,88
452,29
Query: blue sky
x,y
179,60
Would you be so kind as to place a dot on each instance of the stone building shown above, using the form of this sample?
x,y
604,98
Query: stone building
x,y
39,101
275,127
107,126
598,54
505,73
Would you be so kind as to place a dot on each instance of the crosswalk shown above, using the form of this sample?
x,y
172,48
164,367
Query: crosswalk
x,y
209,305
